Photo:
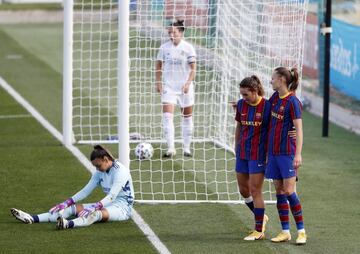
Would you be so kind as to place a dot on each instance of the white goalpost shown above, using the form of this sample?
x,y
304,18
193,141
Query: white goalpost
x,y
110,49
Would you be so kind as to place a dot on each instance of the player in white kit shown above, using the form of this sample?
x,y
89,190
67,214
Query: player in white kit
x,y
114,179
175,72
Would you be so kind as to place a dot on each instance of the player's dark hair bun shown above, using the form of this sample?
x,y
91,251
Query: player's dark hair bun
x,y
100,152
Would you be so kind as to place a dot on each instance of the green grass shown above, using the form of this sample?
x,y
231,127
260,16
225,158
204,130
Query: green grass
x,y
38,172
28,7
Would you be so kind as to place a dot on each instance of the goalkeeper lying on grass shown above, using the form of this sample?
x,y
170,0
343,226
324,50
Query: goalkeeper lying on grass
x,y
116,182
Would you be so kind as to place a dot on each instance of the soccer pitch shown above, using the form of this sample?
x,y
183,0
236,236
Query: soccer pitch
x,y
38,172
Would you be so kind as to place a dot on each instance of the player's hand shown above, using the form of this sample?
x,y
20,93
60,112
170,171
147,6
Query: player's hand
x,y
159,87
233,104
297,161
185,88
292,134
87,211
62,206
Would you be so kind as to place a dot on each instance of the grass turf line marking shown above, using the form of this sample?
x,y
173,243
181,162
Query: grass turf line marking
x,y
14,116
139,221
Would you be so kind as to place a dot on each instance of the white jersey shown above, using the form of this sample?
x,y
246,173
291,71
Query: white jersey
x,y
116,182
176,63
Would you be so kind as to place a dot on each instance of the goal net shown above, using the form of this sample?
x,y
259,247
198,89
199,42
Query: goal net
x,y
232,39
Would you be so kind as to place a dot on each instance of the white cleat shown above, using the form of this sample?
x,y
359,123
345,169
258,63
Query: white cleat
x,y
171,152
187,153
62,223
22,216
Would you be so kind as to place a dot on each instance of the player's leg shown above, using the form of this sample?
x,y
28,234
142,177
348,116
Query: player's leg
x,y
256,179
242,177
187,129
169,100
283,210
186,102
43,217
296,209
115,212
273,172
168,127
63,223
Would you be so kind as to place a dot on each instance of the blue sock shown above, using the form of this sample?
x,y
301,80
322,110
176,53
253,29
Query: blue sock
x,y
296,210
259,218
35,218
283,209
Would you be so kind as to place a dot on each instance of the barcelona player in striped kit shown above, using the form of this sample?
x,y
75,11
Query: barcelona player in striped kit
x,y
252,116
284,151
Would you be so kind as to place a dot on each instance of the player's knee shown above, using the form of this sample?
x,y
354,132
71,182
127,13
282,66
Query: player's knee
x,y
245,192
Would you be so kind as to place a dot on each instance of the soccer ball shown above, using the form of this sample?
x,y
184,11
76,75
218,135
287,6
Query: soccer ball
x,y
144,151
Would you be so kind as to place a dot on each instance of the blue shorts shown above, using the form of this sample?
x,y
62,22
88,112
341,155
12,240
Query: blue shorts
x,y
249,166
280,167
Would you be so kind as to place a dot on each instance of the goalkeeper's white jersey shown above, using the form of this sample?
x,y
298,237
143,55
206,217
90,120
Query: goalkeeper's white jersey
x,y
116,182
176,63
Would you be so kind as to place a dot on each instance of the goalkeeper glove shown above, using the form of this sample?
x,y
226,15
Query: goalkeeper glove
x,y
62,206
85,212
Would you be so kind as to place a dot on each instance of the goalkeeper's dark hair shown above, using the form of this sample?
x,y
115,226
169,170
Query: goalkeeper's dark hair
x,y
291,76
100,152
253,83
179,24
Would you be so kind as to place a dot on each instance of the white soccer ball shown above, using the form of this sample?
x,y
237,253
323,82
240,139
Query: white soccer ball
x,y
144,151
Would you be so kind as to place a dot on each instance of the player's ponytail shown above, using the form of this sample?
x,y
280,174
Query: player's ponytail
x,y
179,24
295,79
100,152
253,83
291,77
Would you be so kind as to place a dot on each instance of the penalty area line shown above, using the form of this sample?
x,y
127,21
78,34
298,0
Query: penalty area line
x,y
139,221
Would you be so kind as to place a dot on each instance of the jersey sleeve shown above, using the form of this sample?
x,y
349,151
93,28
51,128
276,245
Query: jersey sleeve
x,y
89,187
295,109
191,58
238,111
121,177
160,55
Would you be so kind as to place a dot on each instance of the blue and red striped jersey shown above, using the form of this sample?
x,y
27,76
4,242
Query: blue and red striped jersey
x,y
254,122
283,112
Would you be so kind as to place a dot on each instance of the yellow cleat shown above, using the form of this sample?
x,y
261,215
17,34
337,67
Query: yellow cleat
x,y
282,237
301,239
266,219
255,235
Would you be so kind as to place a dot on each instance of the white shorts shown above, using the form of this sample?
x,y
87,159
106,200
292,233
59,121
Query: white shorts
x,y
169,96
118,211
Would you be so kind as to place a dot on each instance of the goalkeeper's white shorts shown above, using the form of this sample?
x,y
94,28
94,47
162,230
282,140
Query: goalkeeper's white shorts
x,y
170,96
118,211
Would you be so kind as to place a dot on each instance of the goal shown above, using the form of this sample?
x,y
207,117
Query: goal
x,y
110,49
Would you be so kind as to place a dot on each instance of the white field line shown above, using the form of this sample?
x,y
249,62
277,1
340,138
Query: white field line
x,y
15,116
145,228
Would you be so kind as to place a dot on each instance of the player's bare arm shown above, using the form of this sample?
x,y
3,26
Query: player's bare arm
x,y
299,142
186,86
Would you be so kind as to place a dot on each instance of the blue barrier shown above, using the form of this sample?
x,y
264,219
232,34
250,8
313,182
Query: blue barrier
x,y
345,58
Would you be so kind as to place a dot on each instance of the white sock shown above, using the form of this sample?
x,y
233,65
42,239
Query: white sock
x,y
169,130
286,231
48,217
301,230
92,218
248,199
187,131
